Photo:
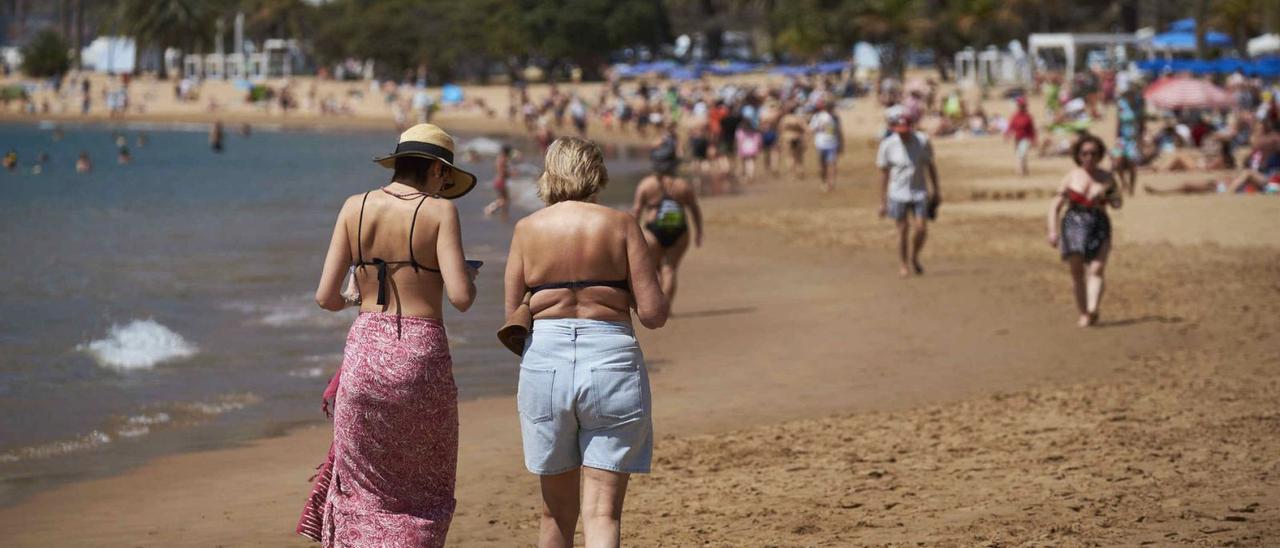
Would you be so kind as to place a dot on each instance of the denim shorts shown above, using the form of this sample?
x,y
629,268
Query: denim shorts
x,y
584,398
898,210
827,156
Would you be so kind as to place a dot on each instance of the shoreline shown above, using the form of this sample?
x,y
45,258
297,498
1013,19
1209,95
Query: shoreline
x,y
839,342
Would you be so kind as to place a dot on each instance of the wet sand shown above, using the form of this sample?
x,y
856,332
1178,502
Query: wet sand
x,y
807,396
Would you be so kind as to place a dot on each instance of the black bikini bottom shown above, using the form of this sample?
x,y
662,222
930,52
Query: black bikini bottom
x,y
667,236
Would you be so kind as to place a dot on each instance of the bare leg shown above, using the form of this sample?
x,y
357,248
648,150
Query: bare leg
x,y
1094,282
670,264
1076,262
603,492
920,229
1207,187
1249,177
904,258
559,510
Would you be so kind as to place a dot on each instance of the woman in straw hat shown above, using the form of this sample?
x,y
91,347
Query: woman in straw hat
x,y
389,477
583,393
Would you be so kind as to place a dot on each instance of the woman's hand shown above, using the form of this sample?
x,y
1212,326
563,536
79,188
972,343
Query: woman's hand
x,y
351,293
1053,240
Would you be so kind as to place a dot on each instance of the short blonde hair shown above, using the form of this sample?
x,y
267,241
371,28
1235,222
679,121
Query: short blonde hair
x,y
574,171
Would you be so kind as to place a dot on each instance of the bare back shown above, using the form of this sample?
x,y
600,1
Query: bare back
x,y
652,189
383,233
573,242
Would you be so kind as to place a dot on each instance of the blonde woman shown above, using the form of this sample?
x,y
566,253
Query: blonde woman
x,y
583,393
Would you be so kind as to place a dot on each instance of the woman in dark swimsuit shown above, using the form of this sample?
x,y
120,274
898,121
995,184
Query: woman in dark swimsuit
x,y
1085,236
664,204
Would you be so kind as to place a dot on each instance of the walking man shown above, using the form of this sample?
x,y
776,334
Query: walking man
x,y
904,157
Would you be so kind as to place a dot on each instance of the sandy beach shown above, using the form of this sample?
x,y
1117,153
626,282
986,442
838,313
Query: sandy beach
x,y
805,395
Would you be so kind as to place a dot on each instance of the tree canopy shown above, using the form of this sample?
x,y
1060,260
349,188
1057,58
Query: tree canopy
x,y
46,55
449,39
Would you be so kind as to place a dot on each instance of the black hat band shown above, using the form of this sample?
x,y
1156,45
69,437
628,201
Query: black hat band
x,y
428,148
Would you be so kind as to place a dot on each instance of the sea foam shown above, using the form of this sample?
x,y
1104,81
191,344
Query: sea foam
x,y
139,344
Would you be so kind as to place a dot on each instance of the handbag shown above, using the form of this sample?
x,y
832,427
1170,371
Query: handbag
x,y
519,322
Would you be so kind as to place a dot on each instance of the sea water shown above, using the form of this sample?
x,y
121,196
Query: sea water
x,y
166,304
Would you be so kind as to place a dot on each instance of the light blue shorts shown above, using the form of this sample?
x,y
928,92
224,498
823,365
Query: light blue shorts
x,y
584,398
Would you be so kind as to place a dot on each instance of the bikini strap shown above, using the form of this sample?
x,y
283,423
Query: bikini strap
x,y
360,230
412,224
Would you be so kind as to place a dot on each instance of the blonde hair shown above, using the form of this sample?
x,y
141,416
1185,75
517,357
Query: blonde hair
x,y
574,171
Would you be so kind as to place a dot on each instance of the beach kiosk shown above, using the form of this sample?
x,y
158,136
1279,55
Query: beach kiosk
x,y
1073,45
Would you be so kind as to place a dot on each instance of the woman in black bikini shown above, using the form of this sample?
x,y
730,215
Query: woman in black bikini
x,y
664,204
1085,236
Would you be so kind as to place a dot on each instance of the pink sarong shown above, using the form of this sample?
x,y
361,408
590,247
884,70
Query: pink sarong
x,y
389,477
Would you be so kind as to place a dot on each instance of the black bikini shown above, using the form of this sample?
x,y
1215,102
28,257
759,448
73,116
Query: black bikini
x,y
617,284
382,264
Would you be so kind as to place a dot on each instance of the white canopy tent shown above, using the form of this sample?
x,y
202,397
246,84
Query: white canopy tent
x,y
1262,45
1073,44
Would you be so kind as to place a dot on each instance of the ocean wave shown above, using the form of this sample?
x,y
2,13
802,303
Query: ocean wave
x,y
115,428
483,146
307,372
139,344
291,312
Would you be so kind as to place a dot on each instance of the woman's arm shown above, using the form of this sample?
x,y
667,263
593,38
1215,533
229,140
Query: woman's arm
x,y
1115,198
651,304
637,204
336,262
695,212
513,280
459,279
1054,208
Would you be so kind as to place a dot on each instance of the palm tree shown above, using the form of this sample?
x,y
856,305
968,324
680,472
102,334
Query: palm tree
x,y
163,24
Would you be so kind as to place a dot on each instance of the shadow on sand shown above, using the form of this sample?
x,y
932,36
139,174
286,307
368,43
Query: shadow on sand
x,y
1143,319
714,313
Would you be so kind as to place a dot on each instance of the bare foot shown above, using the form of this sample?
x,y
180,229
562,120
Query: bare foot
x,y
904,271
1084,321
1093,318
919,269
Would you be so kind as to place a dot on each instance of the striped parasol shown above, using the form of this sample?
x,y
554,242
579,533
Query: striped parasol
x,y
1174,93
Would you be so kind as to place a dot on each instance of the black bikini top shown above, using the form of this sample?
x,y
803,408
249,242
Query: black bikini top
x,y
616,284
382,264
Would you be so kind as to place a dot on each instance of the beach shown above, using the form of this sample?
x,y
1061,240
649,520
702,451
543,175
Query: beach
x,y
805,395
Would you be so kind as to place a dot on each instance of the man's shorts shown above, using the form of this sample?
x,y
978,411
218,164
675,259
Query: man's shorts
x,y
898,210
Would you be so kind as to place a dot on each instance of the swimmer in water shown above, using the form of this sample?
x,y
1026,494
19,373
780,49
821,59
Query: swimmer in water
x,y
502,172
11,160
41,160
83,164
123,156
215,136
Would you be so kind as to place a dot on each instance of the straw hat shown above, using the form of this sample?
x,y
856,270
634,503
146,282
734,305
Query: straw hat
x,y
429,141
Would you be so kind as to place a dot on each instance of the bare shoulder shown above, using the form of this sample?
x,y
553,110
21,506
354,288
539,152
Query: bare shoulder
x,y
684,189
351,206
440,205
649,182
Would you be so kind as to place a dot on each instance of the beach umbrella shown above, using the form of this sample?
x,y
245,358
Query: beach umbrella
x,y
1176,93
451,94
1186,40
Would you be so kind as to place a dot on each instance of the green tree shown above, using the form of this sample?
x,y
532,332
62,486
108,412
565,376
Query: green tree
x,y
184,24
897,24
46,55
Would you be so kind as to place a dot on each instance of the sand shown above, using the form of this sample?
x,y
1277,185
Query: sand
x,y
807,396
